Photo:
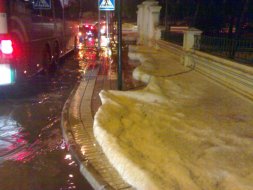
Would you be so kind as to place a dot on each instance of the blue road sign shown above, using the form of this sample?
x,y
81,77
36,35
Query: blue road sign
x,y
106,5
42,4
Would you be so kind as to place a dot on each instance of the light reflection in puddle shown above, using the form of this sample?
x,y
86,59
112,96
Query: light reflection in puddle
x,y
13,143
32,150
68,157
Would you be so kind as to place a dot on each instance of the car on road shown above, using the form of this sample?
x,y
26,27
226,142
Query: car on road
x,y
88,30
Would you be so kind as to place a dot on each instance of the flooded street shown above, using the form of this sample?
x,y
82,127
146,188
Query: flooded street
x,y
33,154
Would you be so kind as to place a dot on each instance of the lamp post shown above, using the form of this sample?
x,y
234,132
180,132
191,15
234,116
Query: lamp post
x,y
119,46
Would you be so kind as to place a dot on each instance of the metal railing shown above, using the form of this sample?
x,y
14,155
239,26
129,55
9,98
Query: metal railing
x,y
173,37
239,50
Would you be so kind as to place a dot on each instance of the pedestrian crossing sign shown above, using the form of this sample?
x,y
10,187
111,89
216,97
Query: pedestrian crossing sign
x,y
106,5
42,4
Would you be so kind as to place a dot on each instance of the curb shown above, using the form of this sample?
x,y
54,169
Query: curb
x,y
87,170
77,129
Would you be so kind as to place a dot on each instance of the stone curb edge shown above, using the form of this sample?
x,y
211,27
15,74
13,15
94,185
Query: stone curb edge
x,y
87,170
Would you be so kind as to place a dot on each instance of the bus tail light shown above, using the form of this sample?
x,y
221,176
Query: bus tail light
x,y
6,47
7,74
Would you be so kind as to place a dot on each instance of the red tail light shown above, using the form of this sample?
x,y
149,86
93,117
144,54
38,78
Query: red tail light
x,y
6,47
92,27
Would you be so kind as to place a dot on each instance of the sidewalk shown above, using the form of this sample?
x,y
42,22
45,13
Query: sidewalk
x,y
182,131
77,124
202,137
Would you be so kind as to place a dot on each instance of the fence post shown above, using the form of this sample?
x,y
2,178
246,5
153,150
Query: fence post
x,y
189,37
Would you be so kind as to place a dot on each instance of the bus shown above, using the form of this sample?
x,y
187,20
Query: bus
x,y
34,36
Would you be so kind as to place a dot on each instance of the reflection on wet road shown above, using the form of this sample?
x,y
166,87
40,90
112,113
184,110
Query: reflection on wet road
x,y
33,154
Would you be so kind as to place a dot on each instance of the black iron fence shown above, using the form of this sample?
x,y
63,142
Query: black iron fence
x,y
239,50
173,37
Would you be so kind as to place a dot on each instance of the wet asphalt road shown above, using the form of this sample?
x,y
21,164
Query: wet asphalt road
x,y
33,154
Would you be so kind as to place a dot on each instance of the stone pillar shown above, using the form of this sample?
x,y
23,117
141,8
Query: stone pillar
x,y
148,17
154,12
140,17
144,19
189,37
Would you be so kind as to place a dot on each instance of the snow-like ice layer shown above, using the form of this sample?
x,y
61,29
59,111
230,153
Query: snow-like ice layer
x,y
181,132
